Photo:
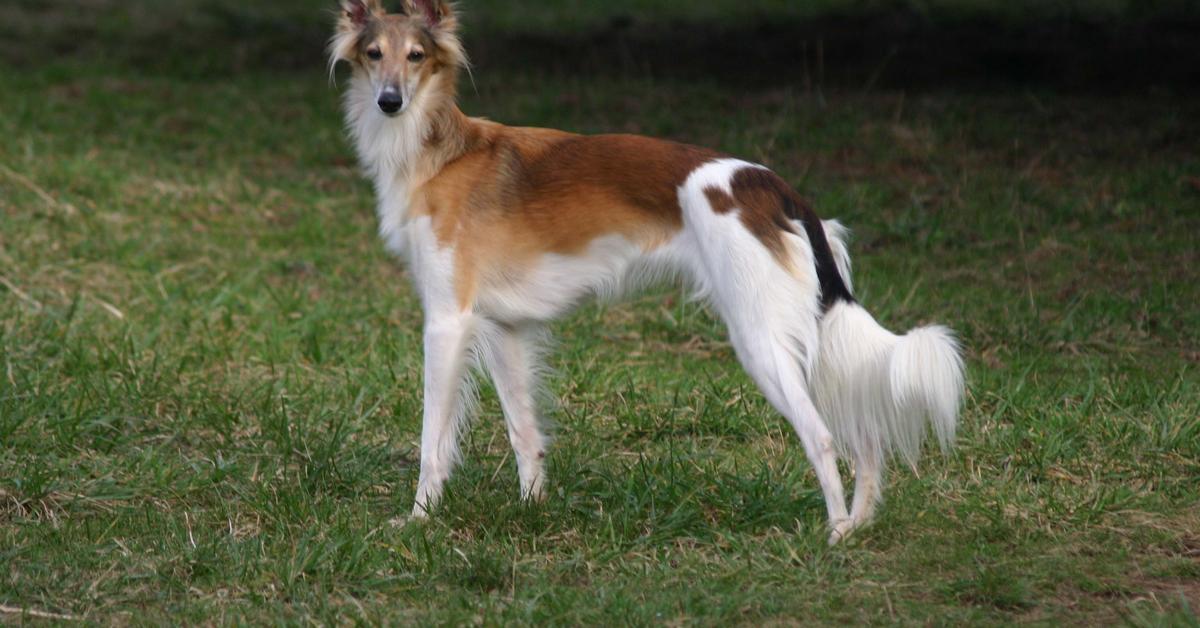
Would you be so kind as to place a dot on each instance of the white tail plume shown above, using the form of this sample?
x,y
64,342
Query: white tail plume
x,y
877,390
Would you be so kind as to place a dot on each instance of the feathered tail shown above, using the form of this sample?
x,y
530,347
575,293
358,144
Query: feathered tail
x,y
877,390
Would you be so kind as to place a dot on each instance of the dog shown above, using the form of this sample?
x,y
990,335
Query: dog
x,y
507,228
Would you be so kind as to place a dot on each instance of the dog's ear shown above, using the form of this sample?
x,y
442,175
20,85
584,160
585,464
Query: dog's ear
x,y
439,14
353,16
356,13
442,21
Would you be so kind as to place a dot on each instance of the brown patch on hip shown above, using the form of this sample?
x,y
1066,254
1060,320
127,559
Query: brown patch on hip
x,y
768,207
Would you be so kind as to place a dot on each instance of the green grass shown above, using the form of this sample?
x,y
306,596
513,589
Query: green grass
x,y
210,370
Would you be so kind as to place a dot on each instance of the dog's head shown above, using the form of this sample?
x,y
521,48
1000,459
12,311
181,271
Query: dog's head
x,y
405,55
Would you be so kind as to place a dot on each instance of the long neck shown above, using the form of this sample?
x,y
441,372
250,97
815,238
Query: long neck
x,y
447,133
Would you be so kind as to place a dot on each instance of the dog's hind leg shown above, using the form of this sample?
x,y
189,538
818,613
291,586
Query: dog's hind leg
x,y
781,380
511,357
768,299
868,482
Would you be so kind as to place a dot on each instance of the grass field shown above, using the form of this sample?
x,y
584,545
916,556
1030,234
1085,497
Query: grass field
x,y
210,370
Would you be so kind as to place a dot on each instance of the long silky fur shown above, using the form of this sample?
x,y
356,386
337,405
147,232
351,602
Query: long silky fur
x,y
879,391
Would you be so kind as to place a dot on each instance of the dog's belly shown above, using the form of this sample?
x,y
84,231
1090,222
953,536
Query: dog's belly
x,y
556,283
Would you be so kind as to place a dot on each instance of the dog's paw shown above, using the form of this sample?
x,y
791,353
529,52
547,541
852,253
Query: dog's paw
x,y
842,529
534,494
417,517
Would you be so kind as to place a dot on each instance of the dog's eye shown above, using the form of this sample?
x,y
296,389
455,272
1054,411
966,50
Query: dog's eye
x,y
374,54
416,56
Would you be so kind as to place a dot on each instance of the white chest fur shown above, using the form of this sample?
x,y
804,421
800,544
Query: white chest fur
x,y
387,149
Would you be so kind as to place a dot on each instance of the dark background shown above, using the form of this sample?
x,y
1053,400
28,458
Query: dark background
x,y
1097,45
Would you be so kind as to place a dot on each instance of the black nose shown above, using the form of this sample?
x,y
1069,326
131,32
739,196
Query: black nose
x,y
390,102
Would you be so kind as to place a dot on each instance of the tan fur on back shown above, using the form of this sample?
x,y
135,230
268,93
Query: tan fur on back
x,y
514,194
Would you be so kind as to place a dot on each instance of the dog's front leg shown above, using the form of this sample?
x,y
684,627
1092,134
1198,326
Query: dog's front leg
x,y
447,340
512,364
